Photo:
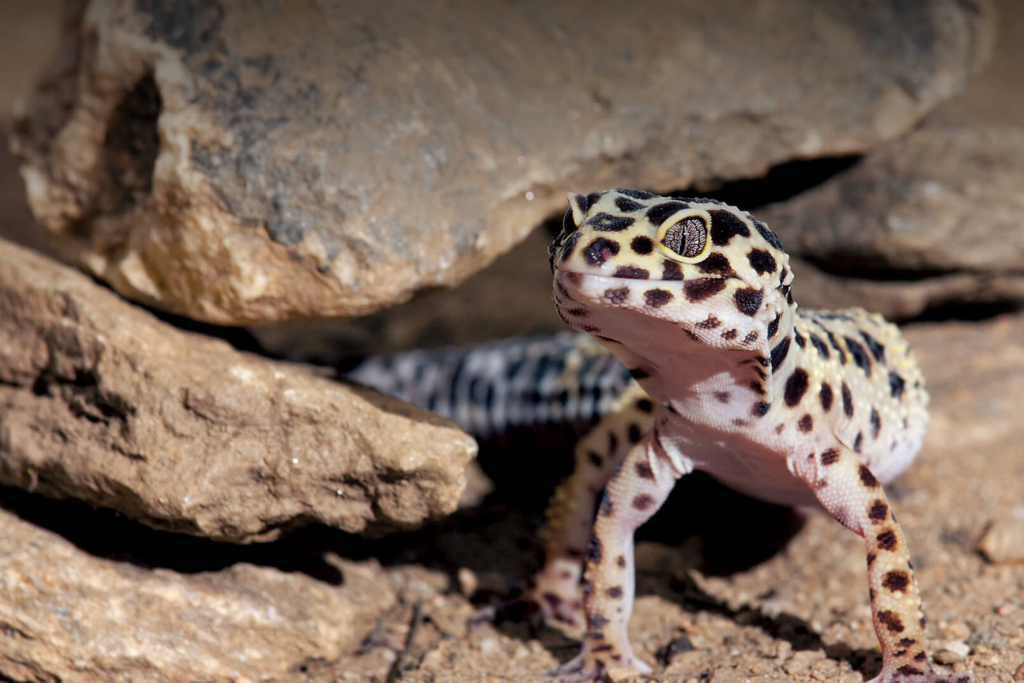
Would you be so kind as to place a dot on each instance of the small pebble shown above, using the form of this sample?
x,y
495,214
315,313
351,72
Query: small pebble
x,y
1003,541
468,583
1006,609
956,630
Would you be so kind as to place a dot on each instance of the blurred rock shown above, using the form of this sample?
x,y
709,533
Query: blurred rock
x,y
101,401
1003,542
929,220
68,616
243,163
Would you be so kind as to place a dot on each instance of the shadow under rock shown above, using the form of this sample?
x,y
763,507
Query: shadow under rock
x,y
107,534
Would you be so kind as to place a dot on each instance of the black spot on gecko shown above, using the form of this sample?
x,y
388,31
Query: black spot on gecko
x,y
891,621
657,298
643,502
826,396
876,349
806,423
796,387
644,405
595,459
751,337
725,226
633,433
620,561
769,236
773,326
896,580
644,471
876,423
615,592
594,550
698,290
860,356
627,205
659,213
896,385
605,507
779,353
671,271
600,250
711,323
617,295
847,400
830,456
878,511
819,345
635,194
866,477
798,338
722,396
760,409
858,443
716,263
835,345
642,244
605,222
729,335
631,273
639,373
747,300
762,261
613,443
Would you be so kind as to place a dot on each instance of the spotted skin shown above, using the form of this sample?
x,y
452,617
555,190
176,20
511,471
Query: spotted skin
x,y
695,298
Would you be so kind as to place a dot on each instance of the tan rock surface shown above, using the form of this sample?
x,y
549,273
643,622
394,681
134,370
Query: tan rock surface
x,y
937,214
240,163
99,400
68,616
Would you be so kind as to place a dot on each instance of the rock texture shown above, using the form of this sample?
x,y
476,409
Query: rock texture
x,y
68,616
101,401
241,163
931,219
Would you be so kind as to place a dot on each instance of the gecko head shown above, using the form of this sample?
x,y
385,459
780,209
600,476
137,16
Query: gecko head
x,y
629,259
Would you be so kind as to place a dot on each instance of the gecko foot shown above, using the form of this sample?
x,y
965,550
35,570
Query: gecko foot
x,y
585,668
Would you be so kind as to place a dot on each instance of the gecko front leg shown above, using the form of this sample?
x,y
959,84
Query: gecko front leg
x,y
556,587
634,493
848,490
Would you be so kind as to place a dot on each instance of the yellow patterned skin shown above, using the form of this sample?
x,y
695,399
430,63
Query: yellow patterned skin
x,y
695,298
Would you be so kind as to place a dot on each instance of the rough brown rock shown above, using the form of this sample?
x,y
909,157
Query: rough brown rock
x,y
101,401
931,219
246,163
66,615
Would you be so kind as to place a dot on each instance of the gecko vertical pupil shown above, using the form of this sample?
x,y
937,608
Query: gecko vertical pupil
x,y
687,237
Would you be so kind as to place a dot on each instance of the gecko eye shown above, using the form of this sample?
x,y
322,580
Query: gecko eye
x,y
686,237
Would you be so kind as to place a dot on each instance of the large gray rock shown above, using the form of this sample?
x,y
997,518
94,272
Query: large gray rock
x,y
260,163
101,401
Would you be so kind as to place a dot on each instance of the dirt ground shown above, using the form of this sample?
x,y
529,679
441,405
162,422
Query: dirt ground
x,y
729,589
